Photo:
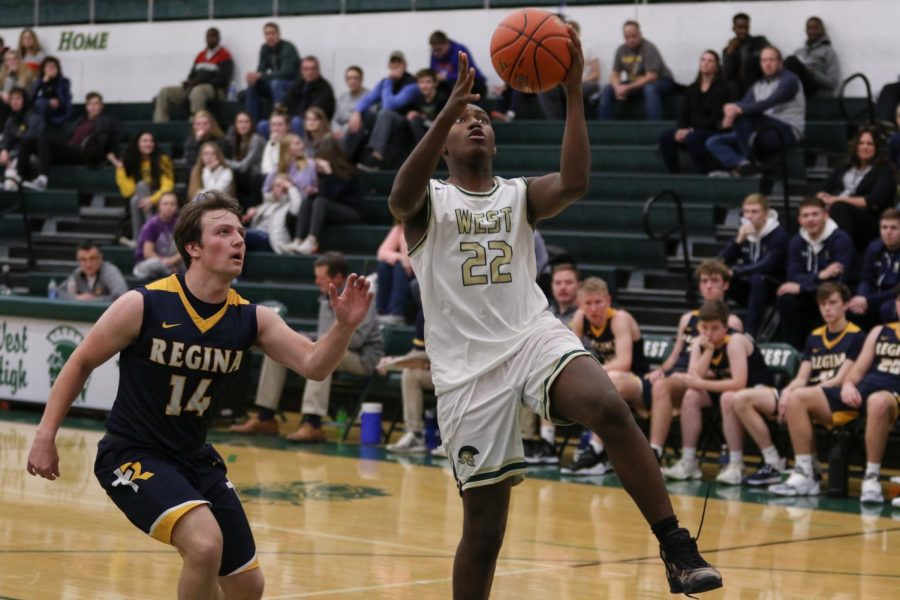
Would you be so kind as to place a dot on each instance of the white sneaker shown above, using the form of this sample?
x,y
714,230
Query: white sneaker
x,y
800,483
410,443
439,452
307,246
871,491
896,502
731,474
684,469
39,183
11,180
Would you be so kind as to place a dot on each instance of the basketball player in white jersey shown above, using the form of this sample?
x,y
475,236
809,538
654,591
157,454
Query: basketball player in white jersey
x,y
493,344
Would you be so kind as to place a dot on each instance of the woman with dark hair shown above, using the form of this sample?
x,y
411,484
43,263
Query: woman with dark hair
x,y
700,116
246,155
316,128
338,201
858,192
23,124
53,93
143,175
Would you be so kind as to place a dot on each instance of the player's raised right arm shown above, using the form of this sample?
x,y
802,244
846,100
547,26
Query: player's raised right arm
x,y
407,197
115,329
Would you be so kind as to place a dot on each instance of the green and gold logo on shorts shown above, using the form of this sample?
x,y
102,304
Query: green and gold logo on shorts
x,y
467,455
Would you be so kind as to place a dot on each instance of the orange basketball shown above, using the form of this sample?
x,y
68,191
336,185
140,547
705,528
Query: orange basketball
x,y
530,50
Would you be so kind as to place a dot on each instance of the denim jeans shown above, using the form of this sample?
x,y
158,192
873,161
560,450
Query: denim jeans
x,y
652,94
274,89
733,148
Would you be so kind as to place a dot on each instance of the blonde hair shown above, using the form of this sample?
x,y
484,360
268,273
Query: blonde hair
x,y
24,76
195,183
214,128
593,285
284,153
760,199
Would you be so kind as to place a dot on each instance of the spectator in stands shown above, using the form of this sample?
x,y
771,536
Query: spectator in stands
x,y
872,387
508,103
143,175
204,128
614,338
316,130
366,349
777,101
94,139
94,280
268,229
246,158
565,292
3,47
12,75
827,358
645,72
741,57
294,162
308,91
722,363
53,93
415,379
553,101
22,124
431,100
858,191
445,63
379,112
338,201
30,50
394,274
880,279
276,71
207,81
756,256
210,172
278,128
666,390
346,102
815,62
156,254
701,114
820,252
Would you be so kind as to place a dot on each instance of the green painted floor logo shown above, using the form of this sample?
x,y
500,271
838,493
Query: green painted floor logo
x,y
297,492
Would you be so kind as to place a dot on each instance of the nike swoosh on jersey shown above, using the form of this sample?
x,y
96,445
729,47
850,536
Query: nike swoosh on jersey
x,y
169,325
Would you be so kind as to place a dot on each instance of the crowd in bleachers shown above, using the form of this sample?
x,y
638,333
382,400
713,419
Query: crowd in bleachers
x,y
293,158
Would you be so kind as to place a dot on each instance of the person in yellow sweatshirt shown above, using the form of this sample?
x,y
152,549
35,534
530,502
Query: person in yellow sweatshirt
x,y
143,175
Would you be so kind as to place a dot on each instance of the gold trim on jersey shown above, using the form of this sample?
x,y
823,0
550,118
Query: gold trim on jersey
x,y
475,194
173,285
720,352
421,242
598,331
823,331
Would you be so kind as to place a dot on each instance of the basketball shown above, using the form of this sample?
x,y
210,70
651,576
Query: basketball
x,y
530,50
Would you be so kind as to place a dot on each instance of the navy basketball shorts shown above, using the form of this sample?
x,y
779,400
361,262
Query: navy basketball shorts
x,y
155,491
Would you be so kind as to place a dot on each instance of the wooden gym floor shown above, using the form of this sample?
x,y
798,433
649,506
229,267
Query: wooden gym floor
x,y
330,523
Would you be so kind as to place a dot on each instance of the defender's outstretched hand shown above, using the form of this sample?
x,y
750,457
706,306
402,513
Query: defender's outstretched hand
x,y
351,306
576,71
462,95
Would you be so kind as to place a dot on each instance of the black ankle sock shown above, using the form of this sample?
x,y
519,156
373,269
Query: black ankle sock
x,y
266,414
314,420
662,529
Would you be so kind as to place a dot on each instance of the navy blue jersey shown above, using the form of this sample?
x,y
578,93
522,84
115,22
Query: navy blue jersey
x,y
757,371
827,351
173,375
690,333
884,374
601,342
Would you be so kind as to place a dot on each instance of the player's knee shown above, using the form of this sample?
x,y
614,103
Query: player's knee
x,y
205,549
880,407
487,540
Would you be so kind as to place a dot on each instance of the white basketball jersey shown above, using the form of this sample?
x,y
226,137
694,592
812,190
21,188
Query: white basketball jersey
x,y
476,270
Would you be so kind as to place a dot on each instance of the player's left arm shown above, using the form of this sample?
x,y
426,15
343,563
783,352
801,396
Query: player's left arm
x,y
739,348
621,328
316,360
863,362
549,194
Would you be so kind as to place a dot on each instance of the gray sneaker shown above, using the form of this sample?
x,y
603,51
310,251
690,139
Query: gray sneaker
x,y
410,443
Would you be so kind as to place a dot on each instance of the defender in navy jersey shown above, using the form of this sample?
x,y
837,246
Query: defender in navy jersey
x,y
181,341
723,361
493,345
873,386
665,392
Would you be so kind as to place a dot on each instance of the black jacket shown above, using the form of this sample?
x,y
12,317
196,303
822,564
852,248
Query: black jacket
x,y
304,95
878,187
703,110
